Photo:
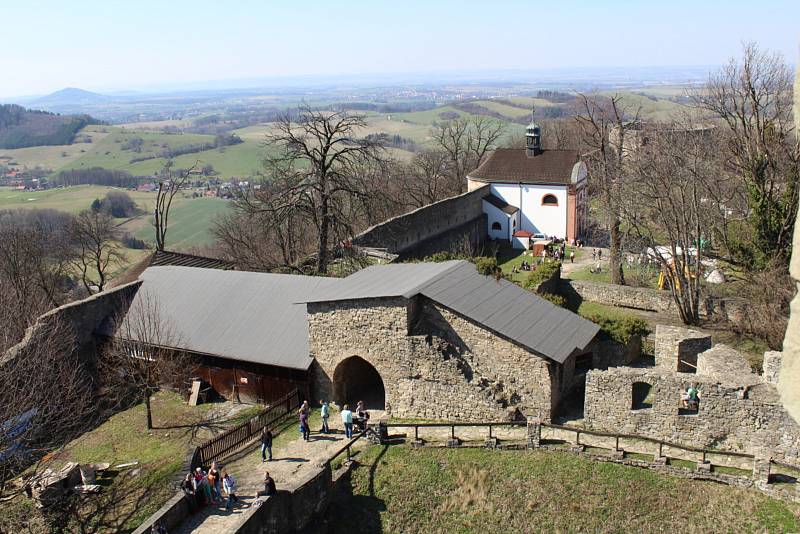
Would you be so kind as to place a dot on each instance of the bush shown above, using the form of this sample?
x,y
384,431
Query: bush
x,y
620,329
541,274
558,300
443,256
487,266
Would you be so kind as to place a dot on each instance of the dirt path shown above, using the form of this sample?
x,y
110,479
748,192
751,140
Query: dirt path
x,y
584,259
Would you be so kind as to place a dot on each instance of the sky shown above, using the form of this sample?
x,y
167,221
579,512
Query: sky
x,y
110,45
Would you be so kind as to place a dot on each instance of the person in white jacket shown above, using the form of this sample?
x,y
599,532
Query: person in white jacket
x,y
229,485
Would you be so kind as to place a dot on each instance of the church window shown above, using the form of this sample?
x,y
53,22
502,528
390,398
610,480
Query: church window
x,y
496,226
549,200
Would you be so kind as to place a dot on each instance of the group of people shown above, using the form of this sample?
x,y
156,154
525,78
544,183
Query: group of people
x,y
349,418
206,488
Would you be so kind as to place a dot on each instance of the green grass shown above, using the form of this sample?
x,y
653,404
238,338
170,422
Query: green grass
x,y
647,277
399,489
129,496
587,308
190,223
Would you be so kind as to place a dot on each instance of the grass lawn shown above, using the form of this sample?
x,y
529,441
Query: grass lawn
x,y
399,489
509,257
646,277
190,222
129,496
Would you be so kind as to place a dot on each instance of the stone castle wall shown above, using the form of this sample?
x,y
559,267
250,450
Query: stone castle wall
x,y
642,298
82,318
676,348
747,419
432,228
458,371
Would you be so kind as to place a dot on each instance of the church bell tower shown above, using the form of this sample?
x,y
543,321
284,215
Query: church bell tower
x,y
533,139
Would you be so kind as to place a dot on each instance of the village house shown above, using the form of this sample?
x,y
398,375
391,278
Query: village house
x,y
434,340
532,192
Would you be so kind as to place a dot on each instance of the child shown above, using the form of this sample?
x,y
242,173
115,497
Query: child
x,y
229,485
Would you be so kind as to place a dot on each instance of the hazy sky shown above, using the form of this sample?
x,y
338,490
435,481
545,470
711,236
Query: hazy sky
x,y
111,45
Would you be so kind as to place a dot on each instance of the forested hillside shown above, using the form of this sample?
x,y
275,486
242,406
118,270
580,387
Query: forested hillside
x,y
21,128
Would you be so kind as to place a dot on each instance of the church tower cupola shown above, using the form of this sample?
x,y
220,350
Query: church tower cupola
x,y
533,139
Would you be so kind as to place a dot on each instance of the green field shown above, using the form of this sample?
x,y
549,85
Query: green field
x,y
190,223
437,490
190,218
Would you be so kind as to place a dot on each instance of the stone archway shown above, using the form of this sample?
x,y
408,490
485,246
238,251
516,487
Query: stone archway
x,y
355,379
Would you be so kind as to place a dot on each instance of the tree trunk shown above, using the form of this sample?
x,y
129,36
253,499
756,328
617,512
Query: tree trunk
x,y
615,254
322,245
147,409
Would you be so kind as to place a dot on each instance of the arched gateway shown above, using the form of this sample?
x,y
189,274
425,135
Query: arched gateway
x,y
355,379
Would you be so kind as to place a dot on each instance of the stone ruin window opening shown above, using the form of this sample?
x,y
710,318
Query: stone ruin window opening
x,y
641,396
355,379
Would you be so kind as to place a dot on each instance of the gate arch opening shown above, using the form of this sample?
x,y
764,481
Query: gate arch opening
x,y
355,379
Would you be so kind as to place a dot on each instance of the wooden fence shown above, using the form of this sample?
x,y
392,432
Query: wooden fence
x,y
230,441
578,432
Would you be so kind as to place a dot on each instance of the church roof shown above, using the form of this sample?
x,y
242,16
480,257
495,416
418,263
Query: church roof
x,y
497,305
513,165
501,204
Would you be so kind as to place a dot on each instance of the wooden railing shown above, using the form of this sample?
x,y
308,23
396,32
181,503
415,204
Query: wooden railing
x,y
345,448
230,441
578,432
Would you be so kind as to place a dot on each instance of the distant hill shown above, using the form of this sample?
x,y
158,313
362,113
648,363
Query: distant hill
x,y
21,127
71,96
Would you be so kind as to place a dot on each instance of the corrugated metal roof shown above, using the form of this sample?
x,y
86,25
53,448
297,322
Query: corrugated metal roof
x,y
499,305
239,315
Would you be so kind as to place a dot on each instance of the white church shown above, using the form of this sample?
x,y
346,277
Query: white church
x,y
534,193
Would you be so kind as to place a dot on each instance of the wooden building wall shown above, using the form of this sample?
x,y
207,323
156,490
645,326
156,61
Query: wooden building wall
x,y
250,382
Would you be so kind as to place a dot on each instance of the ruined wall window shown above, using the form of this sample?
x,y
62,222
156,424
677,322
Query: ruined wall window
x,y
641,396
549,200
496,226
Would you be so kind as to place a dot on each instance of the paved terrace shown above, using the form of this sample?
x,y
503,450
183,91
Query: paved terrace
x,y
291,461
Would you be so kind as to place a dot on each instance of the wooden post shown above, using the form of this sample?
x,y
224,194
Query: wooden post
x,y
452,432
704,456
659,449
490,431
616,445
416,433
577,437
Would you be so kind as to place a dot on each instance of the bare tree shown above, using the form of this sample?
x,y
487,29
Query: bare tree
x,y
169,185
752,99
667,205
605,123
466,141
48,398
315,177
428,178
94,236
143,355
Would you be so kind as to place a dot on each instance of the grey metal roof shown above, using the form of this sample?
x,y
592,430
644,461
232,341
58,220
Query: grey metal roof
x,y
499,305
391,280
234,314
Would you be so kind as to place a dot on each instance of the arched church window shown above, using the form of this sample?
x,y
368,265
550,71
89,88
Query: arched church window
x,y
549,200
496,226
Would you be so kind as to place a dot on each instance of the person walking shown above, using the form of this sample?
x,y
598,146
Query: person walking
x,y
347,421
572,256
229,485
324,411
266,444
269,485
304,425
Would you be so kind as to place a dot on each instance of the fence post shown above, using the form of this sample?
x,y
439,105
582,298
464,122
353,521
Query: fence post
x,y
534,432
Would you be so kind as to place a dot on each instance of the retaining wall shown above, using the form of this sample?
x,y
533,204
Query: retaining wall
x,y
642,298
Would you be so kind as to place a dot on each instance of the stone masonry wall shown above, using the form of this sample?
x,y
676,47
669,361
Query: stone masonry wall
x,y
772,366
423,374
745,419
83,318
405,233
523,378
642,298
676,348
